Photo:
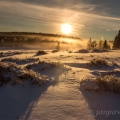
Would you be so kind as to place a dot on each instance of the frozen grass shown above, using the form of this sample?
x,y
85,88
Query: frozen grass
x,y
11,72
16,60
42,65
9,53
82,51
98,62
109,83
101,62
91,51
100,83
34,77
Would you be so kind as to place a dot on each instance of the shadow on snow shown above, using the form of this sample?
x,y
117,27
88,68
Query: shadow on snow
x,y
17,102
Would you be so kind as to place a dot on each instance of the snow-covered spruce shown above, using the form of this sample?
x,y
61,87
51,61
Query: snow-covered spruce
x,y
11,72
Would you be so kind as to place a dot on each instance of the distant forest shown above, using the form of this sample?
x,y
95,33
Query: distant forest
x,y
22,39
41,34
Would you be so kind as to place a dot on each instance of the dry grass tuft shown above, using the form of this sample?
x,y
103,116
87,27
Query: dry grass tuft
x,y
109,83
98,62
11,72
17,60
42,65
10,53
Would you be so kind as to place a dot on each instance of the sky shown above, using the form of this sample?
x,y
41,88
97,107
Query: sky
x,y
96,19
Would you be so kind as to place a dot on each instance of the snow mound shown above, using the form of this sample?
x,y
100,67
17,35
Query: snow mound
x,y
43,65
41,53
53,51
11,72
100,83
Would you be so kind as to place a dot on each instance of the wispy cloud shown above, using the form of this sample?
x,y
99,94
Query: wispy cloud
x,y
30,17
86,7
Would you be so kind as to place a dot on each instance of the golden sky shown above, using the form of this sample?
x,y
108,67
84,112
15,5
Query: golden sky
x,y
89,18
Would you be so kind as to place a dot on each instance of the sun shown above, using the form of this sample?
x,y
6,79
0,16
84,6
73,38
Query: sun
x,y
66,28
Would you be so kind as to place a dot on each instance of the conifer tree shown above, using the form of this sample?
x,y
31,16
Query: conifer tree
x,y
105,45
89,44
100,44
58,46
116,43
2,42
94,45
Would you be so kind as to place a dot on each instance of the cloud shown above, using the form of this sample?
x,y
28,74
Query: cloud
x,y
34,15
114,29
85,20
84,7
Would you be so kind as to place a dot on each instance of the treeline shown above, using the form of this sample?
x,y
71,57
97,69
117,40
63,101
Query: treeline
x,y
38,34
98,45
22,41
14,41
104,44
17,40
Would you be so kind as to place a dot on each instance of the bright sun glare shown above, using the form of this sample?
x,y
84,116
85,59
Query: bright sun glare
x,y
66,28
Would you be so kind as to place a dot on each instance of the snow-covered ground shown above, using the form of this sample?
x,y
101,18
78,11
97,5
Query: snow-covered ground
x,y
62,99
